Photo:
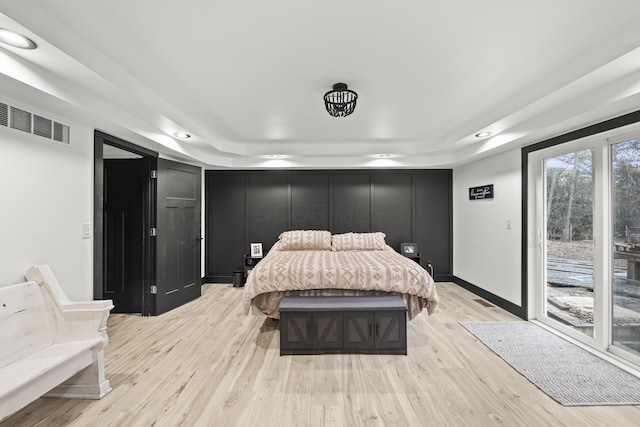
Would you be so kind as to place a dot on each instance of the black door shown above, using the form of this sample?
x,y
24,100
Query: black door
x,y
178,235
123,234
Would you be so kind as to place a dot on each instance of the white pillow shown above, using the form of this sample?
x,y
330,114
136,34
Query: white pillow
x,y
301,240
358,242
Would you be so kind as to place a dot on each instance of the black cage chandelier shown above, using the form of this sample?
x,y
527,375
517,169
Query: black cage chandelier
x,y
340,102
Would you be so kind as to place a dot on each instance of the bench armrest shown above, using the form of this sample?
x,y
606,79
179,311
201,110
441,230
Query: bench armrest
x,y
84,320
77,321
88,305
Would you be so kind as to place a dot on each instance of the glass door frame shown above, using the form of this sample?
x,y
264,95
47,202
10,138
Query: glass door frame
x,y
600,139
611,348
536,250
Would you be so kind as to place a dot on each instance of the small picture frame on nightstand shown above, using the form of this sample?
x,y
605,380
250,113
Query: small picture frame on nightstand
x,y
256,250
409,249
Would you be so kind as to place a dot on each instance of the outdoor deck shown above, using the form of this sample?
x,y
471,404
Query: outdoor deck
x,y
570,297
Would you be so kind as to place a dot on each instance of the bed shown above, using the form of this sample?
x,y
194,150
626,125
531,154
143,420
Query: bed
x,y
313,262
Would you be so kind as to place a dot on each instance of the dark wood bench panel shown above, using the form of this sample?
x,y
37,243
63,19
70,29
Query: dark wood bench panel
x,y
354,324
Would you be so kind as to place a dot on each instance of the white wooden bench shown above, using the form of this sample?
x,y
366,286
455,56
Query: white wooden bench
x,y
49,345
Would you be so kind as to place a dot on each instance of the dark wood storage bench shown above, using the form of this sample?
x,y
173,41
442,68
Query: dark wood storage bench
x,y
358,324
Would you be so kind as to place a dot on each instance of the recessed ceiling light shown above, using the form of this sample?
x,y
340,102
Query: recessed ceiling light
x,y
16,40
384,156
181,135
275,156
483,134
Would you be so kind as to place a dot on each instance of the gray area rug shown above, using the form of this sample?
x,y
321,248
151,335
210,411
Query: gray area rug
x,y
567,373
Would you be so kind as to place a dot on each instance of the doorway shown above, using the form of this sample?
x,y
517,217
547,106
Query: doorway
x,y
124,196
147,228
123,229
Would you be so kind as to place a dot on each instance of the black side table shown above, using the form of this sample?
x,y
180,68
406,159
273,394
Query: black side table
x,y
249,263
415,257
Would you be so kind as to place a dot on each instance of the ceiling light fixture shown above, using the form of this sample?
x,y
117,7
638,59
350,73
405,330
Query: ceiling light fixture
x,y
181,135
275,156
384,156
483,134
16,40
340,102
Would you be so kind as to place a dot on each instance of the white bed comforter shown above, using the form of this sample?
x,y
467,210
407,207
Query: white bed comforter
x,y
371,270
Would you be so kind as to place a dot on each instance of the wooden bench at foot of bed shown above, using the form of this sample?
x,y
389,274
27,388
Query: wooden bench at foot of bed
x,y
360,324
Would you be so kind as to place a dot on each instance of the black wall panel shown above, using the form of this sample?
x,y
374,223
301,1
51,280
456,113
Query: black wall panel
x,y
256,206
391,212
225,240
351,203
310,202
433,223
268,208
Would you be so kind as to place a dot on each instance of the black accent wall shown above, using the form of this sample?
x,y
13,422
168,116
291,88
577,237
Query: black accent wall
x,y
242,207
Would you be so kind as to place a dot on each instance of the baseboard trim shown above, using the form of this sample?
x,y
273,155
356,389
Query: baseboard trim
x,y
494,299
217,279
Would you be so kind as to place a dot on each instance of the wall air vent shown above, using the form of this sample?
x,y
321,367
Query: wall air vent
x,y
25,121
61,132
4,114
42,126
20,119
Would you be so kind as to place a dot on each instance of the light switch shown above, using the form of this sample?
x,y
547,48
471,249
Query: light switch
x,y
86,230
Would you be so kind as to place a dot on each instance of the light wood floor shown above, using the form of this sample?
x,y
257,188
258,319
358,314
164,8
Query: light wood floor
x,y
207,363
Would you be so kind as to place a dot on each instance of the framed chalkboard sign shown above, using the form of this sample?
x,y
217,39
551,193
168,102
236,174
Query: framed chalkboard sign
x,y
482,192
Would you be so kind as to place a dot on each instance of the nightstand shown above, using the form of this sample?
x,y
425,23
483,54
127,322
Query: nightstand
x,y
415,257
249,263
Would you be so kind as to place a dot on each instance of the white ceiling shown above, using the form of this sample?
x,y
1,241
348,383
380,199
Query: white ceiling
x,y
246,78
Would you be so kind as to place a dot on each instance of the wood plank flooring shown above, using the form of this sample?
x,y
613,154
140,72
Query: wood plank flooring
x,y
209,364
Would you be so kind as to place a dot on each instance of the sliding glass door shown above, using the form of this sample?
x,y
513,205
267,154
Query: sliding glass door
x,y
625,250
569,282
585,262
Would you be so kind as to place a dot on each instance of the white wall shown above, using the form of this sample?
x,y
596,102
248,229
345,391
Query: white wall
x,y
485,252
46,194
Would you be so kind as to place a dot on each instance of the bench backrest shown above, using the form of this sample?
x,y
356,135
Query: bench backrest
x,y
43,275
24,322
